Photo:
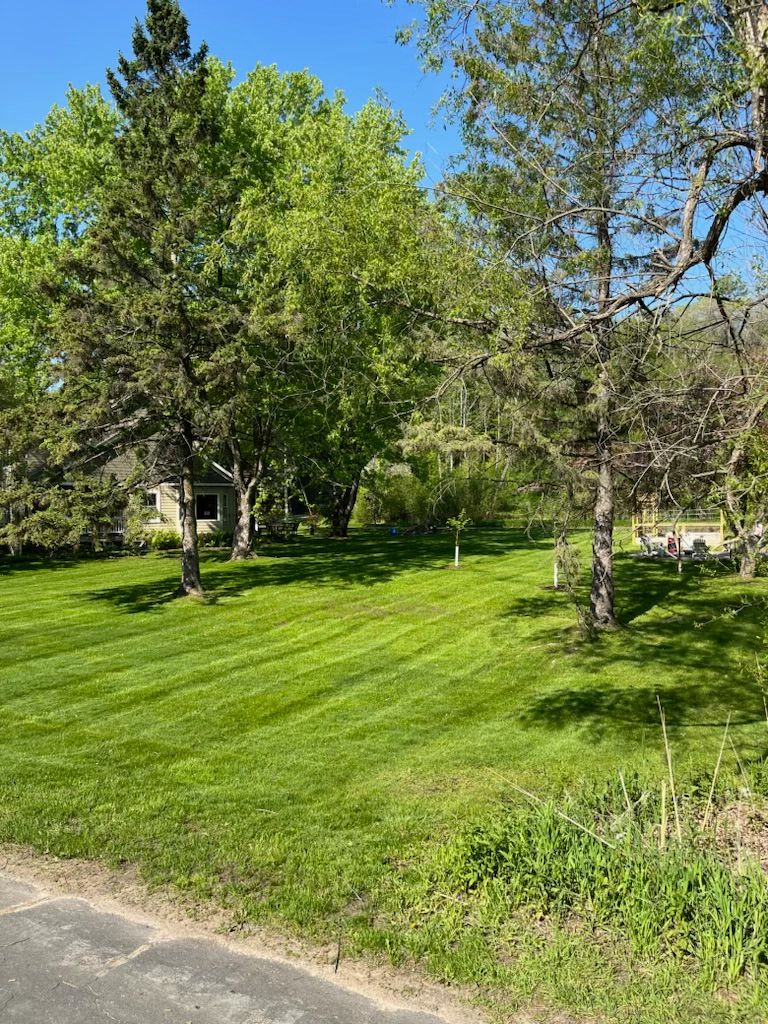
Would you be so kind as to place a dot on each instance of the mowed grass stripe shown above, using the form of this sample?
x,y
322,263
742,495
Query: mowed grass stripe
x,y
337,704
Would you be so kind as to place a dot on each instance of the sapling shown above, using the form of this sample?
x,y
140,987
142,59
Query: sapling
x,y
457,524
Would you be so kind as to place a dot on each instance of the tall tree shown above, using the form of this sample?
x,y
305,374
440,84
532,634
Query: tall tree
x,y
607,148
147,301
356,238
268,119
49,180
324,196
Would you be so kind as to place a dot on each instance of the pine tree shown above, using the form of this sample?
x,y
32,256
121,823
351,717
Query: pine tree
x,y
147,302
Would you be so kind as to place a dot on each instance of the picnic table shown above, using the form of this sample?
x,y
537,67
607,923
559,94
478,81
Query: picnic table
x,y
283,528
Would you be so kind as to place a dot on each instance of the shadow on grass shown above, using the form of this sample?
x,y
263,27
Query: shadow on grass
x,y
687,631
359,561
642,584
40,563
608,709
705,645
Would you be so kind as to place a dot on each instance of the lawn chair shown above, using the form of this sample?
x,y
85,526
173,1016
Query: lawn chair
x,y
647,545
700,548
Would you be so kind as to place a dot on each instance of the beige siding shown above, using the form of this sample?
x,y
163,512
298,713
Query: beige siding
x,y
168,517
169,507
225,499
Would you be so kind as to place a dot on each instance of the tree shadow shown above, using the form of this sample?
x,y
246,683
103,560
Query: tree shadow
x,y
603,709
704,646
541,605
359,561
644,583
143,597
10,566
699,649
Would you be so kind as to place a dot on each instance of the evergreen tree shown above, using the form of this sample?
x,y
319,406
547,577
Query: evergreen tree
x,y
148,300
607,147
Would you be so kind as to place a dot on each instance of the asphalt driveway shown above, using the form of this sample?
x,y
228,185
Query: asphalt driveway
x,y
62,961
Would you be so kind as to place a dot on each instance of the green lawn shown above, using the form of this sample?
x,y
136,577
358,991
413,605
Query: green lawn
x,y
335,705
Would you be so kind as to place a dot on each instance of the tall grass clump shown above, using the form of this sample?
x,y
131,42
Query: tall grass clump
x,y
599,862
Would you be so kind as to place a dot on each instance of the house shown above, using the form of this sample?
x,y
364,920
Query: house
x,y
214,502
214,499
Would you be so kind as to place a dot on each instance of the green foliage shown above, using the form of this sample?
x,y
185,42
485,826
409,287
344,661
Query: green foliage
x,y
477,489
49,182
52,176
216,539
746,481
355,242
281,238
421,492
685,903
151,225
164,540
55,516
586,873
393,494
458,524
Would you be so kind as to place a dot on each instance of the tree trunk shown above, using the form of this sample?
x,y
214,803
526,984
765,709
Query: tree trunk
x,y
248,470
747,565
246,475
190,558
13,515
748,557
343,505
601,596
736,505
242,537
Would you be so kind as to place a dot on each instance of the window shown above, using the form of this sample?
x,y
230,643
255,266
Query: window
x,y
207,506
151,503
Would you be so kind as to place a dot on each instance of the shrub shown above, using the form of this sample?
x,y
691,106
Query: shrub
x,y
165,540
393,494
417,495
216,539
367,510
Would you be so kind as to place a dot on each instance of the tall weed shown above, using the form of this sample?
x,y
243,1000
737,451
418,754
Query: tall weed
x,y
684,900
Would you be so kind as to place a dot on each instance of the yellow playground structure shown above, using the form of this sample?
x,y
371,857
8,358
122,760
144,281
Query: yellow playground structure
x,y
690,525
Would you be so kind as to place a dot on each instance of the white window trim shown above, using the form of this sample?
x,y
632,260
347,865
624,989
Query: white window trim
x,y
155,493
209,494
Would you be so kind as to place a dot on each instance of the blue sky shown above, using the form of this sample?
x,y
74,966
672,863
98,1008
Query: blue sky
x,y
349,44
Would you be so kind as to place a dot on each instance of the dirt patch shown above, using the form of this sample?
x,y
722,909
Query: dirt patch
x,y
174,916
741,829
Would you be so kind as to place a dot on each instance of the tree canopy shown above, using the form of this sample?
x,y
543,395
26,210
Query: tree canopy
x,y
199,269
